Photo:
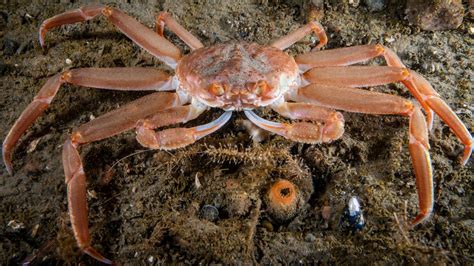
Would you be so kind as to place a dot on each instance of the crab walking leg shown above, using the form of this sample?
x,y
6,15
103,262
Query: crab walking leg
x,y
313,26
333,121
355,76
300,131
107,78
175,138
362,101
138,33
361,76
164,18
346,56
356,54
104,126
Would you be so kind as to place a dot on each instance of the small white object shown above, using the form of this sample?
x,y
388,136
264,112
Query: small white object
x,y
197,183
15,225
33,145
354,206
68,61
92,194
389,39
151,259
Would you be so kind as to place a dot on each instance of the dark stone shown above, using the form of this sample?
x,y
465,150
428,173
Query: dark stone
x,y
210,213
9,46
435,15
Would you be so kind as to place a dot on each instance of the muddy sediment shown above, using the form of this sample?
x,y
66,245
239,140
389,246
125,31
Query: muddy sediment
x,y
207,202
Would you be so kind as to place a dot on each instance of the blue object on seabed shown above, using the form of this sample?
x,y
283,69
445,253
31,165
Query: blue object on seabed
x,y
352,216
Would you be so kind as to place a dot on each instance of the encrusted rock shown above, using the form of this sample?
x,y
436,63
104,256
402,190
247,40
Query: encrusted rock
x,y
435,15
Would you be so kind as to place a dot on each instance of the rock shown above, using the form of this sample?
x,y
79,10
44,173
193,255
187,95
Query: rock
x,y
210,213
9,46
376,5
435,15
354,3
3,69
309,238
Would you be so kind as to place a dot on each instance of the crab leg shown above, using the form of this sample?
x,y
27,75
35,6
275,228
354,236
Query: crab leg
x,y
361,76
356,54
139,34
333,121
300,131
164,18
345,56
107,78
105,126
175,138
362,101
313,26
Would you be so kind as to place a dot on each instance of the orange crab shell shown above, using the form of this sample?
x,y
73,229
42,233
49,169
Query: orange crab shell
x,y
237,76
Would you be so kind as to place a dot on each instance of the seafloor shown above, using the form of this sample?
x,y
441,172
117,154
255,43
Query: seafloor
x,y
146,207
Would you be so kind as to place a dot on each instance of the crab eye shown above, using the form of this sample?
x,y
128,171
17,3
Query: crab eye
x,y
216,89
260,88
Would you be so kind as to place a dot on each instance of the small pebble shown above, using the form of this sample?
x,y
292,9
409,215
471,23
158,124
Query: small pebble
x,y
267,225
151,259
309,238
471,30
13,224
389,39
376,5
68,61
9,46
354,3
210,213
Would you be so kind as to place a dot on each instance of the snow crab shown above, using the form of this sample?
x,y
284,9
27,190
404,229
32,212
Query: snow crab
x,y
236,76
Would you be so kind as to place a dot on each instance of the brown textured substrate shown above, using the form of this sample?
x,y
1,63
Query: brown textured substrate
x,y
147,208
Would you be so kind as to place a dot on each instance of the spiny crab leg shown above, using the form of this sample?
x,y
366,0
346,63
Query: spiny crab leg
x,y
299,131
139,34
362,101
102,127
174,138
362,76
104,78
164,18
313,26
